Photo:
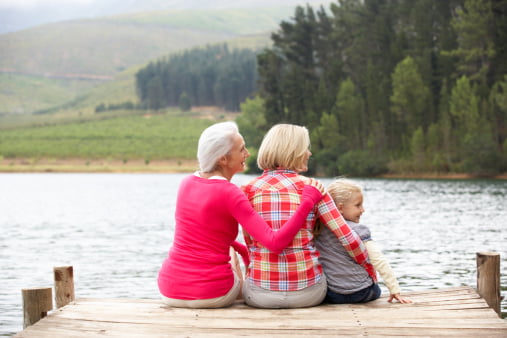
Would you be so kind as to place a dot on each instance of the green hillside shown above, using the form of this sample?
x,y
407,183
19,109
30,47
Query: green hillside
x,y
79,64
21,94
107,46
58,101
122,87
149,137
228,21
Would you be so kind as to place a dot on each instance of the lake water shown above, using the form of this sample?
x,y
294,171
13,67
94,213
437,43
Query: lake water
x,y
115,230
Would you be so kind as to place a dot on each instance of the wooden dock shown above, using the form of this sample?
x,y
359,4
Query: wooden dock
x,y
451,312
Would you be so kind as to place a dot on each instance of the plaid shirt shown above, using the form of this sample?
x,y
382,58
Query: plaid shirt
x,y
275,195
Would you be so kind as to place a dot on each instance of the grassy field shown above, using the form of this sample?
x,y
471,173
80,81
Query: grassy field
x,y
147,138
21,94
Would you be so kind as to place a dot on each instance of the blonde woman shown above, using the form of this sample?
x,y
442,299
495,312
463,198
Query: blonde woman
x,y
292,278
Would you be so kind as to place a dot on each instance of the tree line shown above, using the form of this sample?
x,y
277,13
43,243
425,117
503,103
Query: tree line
x,y
383,85
390,85
211,76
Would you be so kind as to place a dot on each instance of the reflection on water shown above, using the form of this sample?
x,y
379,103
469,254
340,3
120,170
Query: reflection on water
x,y
115,229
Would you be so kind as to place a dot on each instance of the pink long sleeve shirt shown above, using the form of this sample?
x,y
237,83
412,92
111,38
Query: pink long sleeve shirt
x,y
207,215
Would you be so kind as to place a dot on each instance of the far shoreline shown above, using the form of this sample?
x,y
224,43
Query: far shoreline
x,y
76,165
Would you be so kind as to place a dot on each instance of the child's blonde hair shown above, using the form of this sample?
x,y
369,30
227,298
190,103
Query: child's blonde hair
x,y
341,190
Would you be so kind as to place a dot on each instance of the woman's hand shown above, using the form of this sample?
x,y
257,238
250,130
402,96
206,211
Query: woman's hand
x,y
314,183
399,298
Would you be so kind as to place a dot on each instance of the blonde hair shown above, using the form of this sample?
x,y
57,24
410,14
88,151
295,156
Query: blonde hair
x,y
284,146
342,189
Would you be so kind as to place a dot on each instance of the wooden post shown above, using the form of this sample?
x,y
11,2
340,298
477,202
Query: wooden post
x,y
36,304
64,285
488,278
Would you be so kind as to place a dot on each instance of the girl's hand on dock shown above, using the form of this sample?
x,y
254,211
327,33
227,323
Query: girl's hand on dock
x,y
399,298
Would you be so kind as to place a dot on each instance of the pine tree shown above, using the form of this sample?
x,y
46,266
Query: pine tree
x,y
473,26
350,112
410,96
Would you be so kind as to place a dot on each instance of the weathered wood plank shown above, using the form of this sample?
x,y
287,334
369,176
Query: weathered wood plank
x,y
444,312
145,330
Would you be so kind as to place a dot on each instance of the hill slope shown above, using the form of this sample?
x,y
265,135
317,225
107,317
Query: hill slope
x,y
78,54
15,16
104,47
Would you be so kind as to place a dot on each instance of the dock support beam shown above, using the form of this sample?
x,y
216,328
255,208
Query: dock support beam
x,y
488,278
64,285
36,304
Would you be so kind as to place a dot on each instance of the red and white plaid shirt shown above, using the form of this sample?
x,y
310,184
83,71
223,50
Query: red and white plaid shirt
x,y
275,195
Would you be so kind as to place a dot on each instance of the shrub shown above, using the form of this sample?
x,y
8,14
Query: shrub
x,y
361,163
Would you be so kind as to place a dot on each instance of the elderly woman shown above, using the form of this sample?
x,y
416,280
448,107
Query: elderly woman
x,y
197,272
294,277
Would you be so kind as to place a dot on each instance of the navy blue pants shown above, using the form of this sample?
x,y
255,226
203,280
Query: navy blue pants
x,y
362,296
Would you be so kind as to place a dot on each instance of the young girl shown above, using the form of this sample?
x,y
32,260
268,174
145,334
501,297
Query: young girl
x,y
347,281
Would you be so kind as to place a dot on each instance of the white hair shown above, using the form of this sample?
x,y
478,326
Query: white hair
x,y
215,141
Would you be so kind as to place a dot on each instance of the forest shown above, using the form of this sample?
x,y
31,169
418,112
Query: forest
x,y
211,76
401,86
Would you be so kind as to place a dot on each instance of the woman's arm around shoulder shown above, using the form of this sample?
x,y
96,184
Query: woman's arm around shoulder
x,y
257,227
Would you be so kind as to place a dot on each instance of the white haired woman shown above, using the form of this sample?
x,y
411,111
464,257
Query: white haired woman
x,y
197,272
294,277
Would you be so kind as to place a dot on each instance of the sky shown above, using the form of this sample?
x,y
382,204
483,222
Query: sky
x,y
35,3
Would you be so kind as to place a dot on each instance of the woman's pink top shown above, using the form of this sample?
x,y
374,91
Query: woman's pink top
x,y
207,215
